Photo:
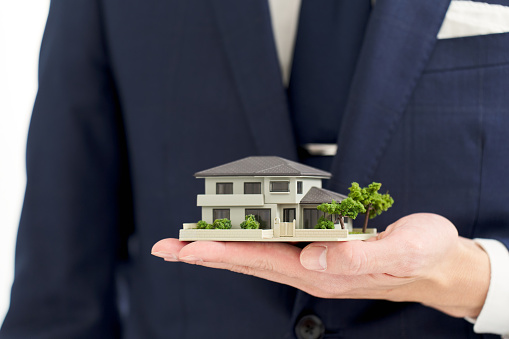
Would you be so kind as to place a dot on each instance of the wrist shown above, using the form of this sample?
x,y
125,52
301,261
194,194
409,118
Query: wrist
x,y
460,285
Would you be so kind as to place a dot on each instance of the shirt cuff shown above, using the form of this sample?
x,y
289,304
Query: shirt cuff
x,y
494,316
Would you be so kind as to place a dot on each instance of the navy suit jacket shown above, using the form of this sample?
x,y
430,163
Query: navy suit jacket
x,y
136,96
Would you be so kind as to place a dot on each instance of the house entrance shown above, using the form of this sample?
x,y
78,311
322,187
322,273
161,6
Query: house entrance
x,y
288,214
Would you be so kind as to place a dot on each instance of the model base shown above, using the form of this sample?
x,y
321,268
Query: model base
x,y
268,235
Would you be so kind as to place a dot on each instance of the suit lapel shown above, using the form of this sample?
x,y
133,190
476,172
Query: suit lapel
x,y
398,43
249,44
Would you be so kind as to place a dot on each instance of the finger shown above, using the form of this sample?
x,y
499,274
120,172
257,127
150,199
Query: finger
x,y
260,273
168,249
279,263
271,261
315,285
276,257
359,258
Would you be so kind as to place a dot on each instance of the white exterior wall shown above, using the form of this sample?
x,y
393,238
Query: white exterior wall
x,y
307,184
291,197
349,224
280,197
269,197
230,200
238,201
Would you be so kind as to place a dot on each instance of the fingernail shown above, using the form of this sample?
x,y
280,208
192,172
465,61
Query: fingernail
x,y
191,259
166,256
314,258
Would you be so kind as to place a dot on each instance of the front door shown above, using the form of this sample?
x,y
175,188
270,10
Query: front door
x,y
288,214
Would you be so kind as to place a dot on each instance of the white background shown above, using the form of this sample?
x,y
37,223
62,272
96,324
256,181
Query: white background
x,y
21,27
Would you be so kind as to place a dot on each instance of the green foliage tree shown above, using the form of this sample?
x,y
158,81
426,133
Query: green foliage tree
x,y
346,208
324,223
222,224
203,225
374,202
250,223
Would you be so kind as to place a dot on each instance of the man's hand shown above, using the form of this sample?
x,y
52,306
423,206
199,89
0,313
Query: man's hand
x,y
419,258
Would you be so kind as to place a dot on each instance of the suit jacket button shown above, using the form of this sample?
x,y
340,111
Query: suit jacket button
x,y
309,327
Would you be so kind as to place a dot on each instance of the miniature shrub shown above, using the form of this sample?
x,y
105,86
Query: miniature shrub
x,y
203,225
324,224
222,224
250,223
218,224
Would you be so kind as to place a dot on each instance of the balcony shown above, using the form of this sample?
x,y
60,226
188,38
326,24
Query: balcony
x,y
230,200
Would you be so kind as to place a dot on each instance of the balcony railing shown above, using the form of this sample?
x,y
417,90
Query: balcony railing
x,y
230,200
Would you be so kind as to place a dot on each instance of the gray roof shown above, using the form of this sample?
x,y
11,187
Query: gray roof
x,y
263,166
320,195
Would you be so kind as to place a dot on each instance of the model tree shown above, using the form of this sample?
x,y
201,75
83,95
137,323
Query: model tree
x,y
222,224
374,202
346,208
250,223
324,224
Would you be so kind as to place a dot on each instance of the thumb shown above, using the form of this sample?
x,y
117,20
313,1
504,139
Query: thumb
x,y
353,257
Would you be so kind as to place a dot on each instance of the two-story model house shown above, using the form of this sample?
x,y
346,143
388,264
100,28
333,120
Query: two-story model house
x,y
267,187
281,194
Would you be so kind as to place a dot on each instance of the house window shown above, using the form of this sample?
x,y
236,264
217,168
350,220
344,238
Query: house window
x,y
220,213
280,186
224,188
288,214
262,215
299,187
311,216
252,188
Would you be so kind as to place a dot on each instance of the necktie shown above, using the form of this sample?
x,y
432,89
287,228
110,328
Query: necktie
x,y
329,38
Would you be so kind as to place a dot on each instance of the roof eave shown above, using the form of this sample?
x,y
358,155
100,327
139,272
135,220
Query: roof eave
x,y
261,176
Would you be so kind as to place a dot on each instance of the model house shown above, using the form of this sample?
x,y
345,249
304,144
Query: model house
x,y
271,188
281,194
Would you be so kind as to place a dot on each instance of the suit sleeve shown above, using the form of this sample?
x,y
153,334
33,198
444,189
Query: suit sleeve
x,y
77,196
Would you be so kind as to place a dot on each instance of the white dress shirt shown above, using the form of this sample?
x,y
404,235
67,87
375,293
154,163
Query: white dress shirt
x,y
285,16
